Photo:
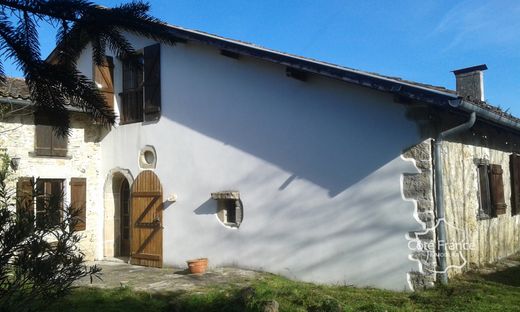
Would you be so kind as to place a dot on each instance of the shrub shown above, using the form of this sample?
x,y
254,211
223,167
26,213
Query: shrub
x,y
39,261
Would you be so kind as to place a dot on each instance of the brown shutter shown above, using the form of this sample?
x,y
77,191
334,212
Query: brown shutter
x,y
514,164
24,195
496,185
152,82
104,77
78,201
43,140
59,145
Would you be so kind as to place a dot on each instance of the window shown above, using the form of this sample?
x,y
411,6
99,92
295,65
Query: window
x,y
491,187
514,166
46,141
49,200
141,96
132,95
230,210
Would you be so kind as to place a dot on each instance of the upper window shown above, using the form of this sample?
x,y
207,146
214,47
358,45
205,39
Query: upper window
x,y
46,141
132,96
492,201
141,95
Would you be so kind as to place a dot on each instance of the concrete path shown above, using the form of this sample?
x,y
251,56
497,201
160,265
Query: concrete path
x,y
166,279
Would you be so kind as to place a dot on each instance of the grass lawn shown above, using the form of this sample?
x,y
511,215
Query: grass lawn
x,y
494,292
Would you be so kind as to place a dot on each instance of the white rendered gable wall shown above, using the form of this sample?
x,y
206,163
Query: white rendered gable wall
x,y
317,165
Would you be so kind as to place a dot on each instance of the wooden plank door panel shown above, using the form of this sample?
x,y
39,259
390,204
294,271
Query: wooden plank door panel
x,y
146,220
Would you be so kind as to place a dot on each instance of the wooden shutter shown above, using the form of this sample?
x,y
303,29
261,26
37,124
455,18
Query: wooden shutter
x,y
104,78
46,141
24,195
496,186
78,201
43,140
152,82
514,165
59,145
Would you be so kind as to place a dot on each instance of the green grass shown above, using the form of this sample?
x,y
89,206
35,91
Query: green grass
x,y
495,292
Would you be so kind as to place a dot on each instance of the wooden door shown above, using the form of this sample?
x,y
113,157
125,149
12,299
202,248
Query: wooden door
x,y
125,218
146,220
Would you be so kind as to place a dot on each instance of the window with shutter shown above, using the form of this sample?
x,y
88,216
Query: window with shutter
x,y
49,200
514,165
141,95
46,141
24,195
78,201
491,189
104,78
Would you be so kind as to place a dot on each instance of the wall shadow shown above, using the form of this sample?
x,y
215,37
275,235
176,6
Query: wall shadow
x,y
207,208
325,131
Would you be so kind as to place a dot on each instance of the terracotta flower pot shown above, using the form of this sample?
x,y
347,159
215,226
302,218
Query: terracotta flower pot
x,y
197,266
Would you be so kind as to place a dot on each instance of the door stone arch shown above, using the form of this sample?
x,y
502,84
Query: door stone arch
x,y
112,211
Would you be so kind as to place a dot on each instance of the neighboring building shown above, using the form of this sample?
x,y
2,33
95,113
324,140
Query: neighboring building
x,y
264,160
61,164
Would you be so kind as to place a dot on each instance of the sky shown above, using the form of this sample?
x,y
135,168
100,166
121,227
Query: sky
x,y
421,40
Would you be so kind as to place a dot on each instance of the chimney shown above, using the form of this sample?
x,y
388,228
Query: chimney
x,y
470,82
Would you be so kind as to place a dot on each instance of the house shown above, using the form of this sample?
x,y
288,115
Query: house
x,y
270,161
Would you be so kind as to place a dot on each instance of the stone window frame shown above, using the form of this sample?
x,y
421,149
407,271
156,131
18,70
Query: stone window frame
x,y
229,205
145,162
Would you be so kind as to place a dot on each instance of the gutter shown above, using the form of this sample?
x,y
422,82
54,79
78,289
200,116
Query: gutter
x,y
484,113
28,103
439,193
14,101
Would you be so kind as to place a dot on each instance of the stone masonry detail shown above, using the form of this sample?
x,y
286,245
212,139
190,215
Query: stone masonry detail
x,y
419,188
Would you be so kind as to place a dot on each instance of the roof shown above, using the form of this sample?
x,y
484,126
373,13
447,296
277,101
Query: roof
x,y
14,88
426,93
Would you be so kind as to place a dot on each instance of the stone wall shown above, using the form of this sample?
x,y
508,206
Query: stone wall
x,y
419,188
489,239
83,159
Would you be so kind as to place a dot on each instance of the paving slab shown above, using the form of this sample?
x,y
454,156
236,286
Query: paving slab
x,y
118,274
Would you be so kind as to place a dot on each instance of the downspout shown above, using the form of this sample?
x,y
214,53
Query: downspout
x,y
439,192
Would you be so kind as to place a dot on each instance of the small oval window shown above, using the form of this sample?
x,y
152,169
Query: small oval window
x,y
147,157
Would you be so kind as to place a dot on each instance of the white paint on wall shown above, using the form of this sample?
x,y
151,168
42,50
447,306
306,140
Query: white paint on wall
x,y
317,164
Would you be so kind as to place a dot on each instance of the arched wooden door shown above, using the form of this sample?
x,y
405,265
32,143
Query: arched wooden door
x,y
146,220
